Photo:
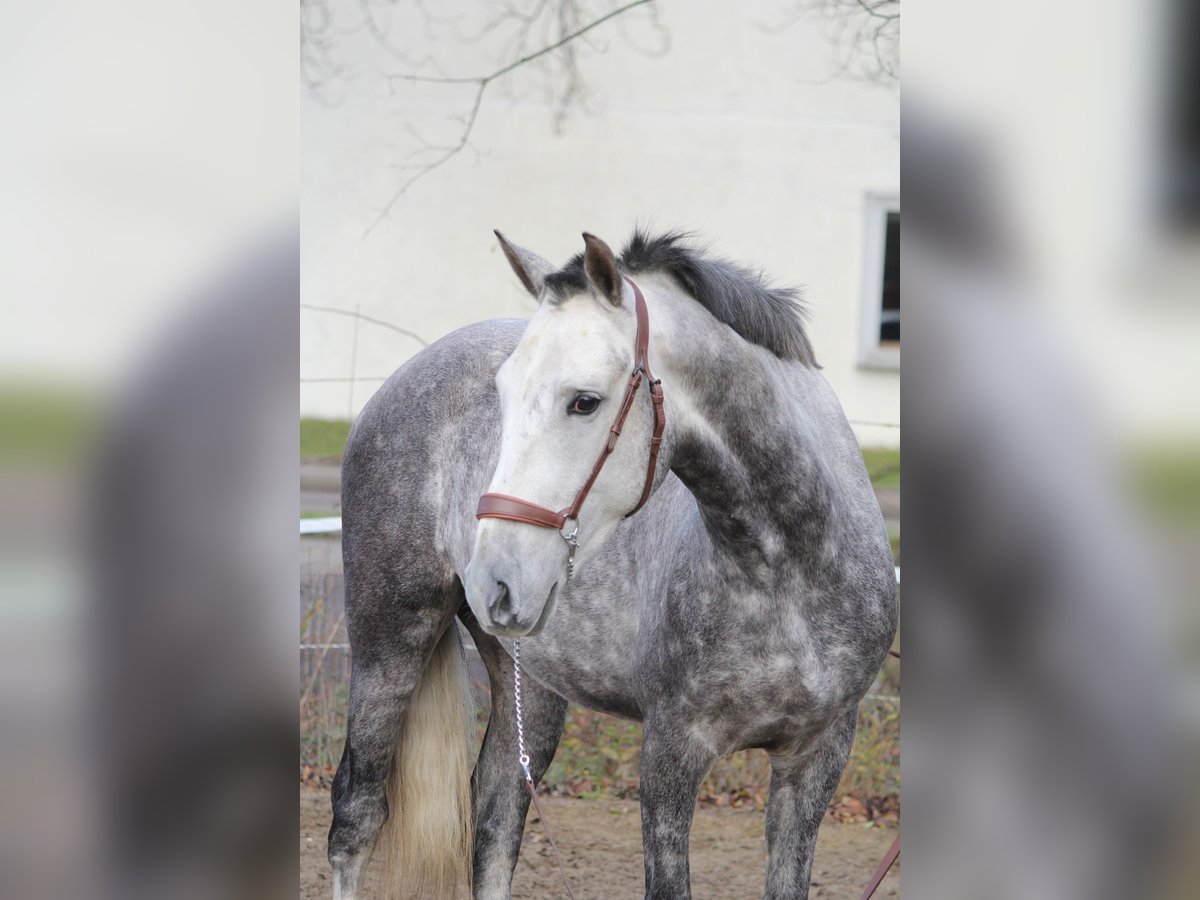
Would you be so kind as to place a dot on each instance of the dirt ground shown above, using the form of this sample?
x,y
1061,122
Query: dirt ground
x,y
602,845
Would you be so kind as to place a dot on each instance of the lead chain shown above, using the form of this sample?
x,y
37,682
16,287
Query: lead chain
x,y
523,757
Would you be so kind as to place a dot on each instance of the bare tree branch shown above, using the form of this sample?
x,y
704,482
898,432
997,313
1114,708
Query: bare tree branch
x,y
570,92
548,35
504,70
453,151
865,35
873,9
317,64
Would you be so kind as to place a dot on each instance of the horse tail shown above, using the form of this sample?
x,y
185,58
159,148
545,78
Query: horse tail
x,y
426,841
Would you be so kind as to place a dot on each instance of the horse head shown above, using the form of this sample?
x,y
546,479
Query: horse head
x,y
572,381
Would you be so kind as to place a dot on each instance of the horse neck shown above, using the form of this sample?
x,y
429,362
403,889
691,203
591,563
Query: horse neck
x,y
741,440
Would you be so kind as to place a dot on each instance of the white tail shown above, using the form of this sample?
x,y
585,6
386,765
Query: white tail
x,y
426,842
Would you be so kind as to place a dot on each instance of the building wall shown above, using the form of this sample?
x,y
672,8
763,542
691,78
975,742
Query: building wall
x,y
736,133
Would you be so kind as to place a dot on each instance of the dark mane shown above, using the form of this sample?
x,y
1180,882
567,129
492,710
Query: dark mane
x,y
768,316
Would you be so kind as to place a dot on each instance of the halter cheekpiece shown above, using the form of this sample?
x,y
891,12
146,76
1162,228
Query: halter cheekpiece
x,y
504,506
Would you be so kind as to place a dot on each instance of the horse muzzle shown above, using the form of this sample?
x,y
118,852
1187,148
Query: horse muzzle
x,y
504,609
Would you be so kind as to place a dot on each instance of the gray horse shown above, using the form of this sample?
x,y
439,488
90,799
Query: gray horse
x,y
749,603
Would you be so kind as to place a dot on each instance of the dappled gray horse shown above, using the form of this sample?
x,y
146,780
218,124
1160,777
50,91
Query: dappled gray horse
x,y
749,603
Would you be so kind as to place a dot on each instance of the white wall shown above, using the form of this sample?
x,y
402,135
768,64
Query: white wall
x,y
729,134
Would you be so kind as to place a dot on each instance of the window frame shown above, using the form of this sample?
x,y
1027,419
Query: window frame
x,y
871,353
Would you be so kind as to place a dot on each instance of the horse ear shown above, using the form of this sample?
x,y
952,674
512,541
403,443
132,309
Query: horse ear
x,y
601,269
530,268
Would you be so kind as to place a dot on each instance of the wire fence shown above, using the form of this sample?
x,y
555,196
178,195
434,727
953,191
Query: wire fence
x,y
598,754
324,655
353,378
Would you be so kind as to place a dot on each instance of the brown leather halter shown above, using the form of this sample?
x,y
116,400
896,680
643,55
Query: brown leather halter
x,y
504,506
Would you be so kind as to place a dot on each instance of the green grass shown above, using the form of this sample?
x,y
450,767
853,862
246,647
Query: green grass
x,y
883,466
326,439
1167,481
598,757
323,438
46,425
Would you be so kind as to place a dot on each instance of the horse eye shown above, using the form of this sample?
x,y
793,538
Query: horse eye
x,y
584,405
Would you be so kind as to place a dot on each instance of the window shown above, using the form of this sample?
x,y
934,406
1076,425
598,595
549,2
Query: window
x,y
879,334
1181,191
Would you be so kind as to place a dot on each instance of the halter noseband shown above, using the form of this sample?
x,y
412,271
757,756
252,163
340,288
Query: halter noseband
x,y
503,506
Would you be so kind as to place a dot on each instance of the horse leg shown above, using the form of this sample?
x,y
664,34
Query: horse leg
x,y
389,665
379,693
672,767
801,787
500,798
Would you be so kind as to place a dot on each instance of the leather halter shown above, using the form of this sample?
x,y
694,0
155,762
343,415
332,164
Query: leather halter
x,y
514,509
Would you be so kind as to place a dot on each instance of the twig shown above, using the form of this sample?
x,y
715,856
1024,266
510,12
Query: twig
x,y
436,164
481,83
864,35
357,315
504,70
321,660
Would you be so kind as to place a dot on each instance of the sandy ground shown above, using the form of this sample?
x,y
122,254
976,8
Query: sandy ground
x,y
602,846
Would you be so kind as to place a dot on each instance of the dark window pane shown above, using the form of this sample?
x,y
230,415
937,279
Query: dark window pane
x,y
889,316
1182,178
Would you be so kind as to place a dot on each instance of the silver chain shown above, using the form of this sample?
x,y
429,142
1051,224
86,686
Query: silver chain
x,y
523,757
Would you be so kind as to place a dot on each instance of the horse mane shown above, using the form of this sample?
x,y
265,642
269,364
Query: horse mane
x,y
771,317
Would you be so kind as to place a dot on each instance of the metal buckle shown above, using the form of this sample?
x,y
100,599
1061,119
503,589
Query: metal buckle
x,y
572,539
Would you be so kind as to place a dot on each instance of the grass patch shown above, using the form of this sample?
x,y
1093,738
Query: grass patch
x,y
599,754
323,438
1167,481
326,439
883,465
598,757
46,425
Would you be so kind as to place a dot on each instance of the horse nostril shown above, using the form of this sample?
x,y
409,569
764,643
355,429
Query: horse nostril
x,y
501,602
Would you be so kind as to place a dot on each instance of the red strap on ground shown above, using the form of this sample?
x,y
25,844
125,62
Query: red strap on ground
x,y
546,827
884,865
892,854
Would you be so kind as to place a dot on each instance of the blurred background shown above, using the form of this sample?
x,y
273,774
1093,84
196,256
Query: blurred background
x,y
1051,280
148,360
